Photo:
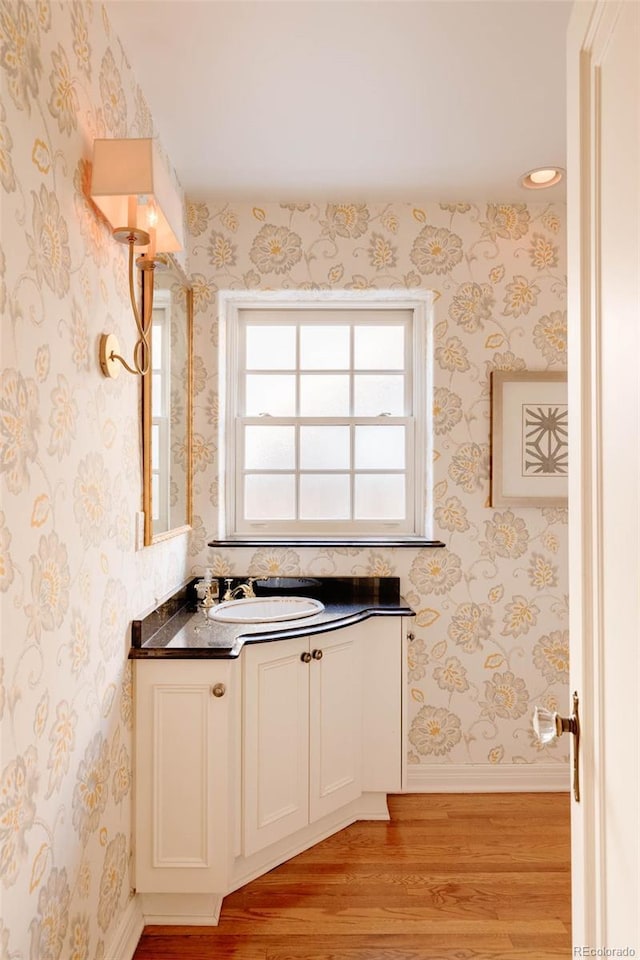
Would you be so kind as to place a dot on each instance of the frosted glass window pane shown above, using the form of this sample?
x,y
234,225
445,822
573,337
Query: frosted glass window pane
x,y
378,348
324,497
379,497
275,395
380,447
324,448
155,496
155,446
269,496
156,394
269,448
156,345
271,347
324,348
324,396
378,394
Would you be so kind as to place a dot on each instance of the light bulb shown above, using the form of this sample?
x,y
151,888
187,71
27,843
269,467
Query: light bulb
x,y
152,216
543,176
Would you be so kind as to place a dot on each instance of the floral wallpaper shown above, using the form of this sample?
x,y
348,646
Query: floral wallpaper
x,y
71,579
491,635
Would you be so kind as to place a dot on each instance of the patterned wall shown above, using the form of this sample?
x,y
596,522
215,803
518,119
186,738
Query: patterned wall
x,y
491,627
70,578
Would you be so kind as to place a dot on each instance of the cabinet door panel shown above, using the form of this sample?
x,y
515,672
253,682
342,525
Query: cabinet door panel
x,y
276,718
179,808
335,754
183,781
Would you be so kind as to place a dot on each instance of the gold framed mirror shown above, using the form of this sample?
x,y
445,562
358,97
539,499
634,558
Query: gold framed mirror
x,y
167,405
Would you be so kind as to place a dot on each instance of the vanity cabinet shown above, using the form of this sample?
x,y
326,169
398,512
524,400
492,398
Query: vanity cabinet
x,y
302,723
242,763
184,762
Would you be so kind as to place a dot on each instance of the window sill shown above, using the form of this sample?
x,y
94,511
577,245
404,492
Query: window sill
x,y
362,542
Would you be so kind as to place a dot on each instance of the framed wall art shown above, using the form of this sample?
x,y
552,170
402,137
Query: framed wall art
x,y
529,439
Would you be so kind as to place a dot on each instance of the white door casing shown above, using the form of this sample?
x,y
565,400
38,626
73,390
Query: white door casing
x,y
604,488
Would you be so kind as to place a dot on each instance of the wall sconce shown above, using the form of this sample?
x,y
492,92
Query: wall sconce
x,y
131,186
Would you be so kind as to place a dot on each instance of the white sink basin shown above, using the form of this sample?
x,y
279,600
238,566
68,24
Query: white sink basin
x,y
265,609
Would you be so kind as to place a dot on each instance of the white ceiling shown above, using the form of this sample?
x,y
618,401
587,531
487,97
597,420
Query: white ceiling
x,y
352,99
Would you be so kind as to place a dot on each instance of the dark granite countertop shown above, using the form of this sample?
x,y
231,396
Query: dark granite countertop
x,y
177,629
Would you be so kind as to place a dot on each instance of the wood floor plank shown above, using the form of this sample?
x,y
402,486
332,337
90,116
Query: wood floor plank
x,y
378,920
422,952
451,877
324,948
434,890
411,883
455,901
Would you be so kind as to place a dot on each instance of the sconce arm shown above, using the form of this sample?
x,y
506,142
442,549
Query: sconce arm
x,y
142,348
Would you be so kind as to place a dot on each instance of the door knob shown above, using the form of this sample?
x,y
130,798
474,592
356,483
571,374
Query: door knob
x,y
317,654
548,726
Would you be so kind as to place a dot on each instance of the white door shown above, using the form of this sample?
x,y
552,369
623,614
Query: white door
x,y
604,493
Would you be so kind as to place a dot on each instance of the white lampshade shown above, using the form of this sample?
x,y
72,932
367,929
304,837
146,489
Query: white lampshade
x,y
124,169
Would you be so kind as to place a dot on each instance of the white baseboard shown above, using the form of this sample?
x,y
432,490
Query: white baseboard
x,y
488,778
122,945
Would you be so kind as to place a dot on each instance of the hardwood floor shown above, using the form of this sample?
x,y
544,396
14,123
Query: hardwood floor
x,y
451,877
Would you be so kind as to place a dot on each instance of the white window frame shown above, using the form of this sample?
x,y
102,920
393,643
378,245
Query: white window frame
x,y
231,303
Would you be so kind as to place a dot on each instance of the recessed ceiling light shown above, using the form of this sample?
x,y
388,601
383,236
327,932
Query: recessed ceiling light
x,y
542,177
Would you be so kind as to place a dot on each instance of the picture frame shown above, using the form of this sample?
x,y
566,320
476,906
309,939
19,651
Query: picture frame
x,y
529,439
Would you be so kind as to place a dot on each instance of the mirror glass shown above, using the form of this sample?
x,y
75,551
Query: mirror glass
x,y
166,404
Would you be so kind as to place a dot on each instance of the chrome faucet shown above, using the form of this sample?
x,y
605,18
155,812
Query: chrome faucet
x,y
246,589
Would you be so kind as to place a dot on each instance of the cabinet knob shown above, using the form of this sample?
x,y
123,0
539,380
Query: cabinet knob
x,y
317,654
411,636
218,690
305,657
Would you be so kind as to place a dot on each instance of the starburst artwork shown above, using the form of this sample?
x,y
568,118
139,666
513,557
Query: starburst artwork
x,y
529,438
545,447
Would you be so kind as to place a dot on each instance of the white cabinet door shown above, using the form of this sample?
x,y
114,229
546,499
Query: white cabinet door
x,y
335,728
322,724
276,741
183,780
302,733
